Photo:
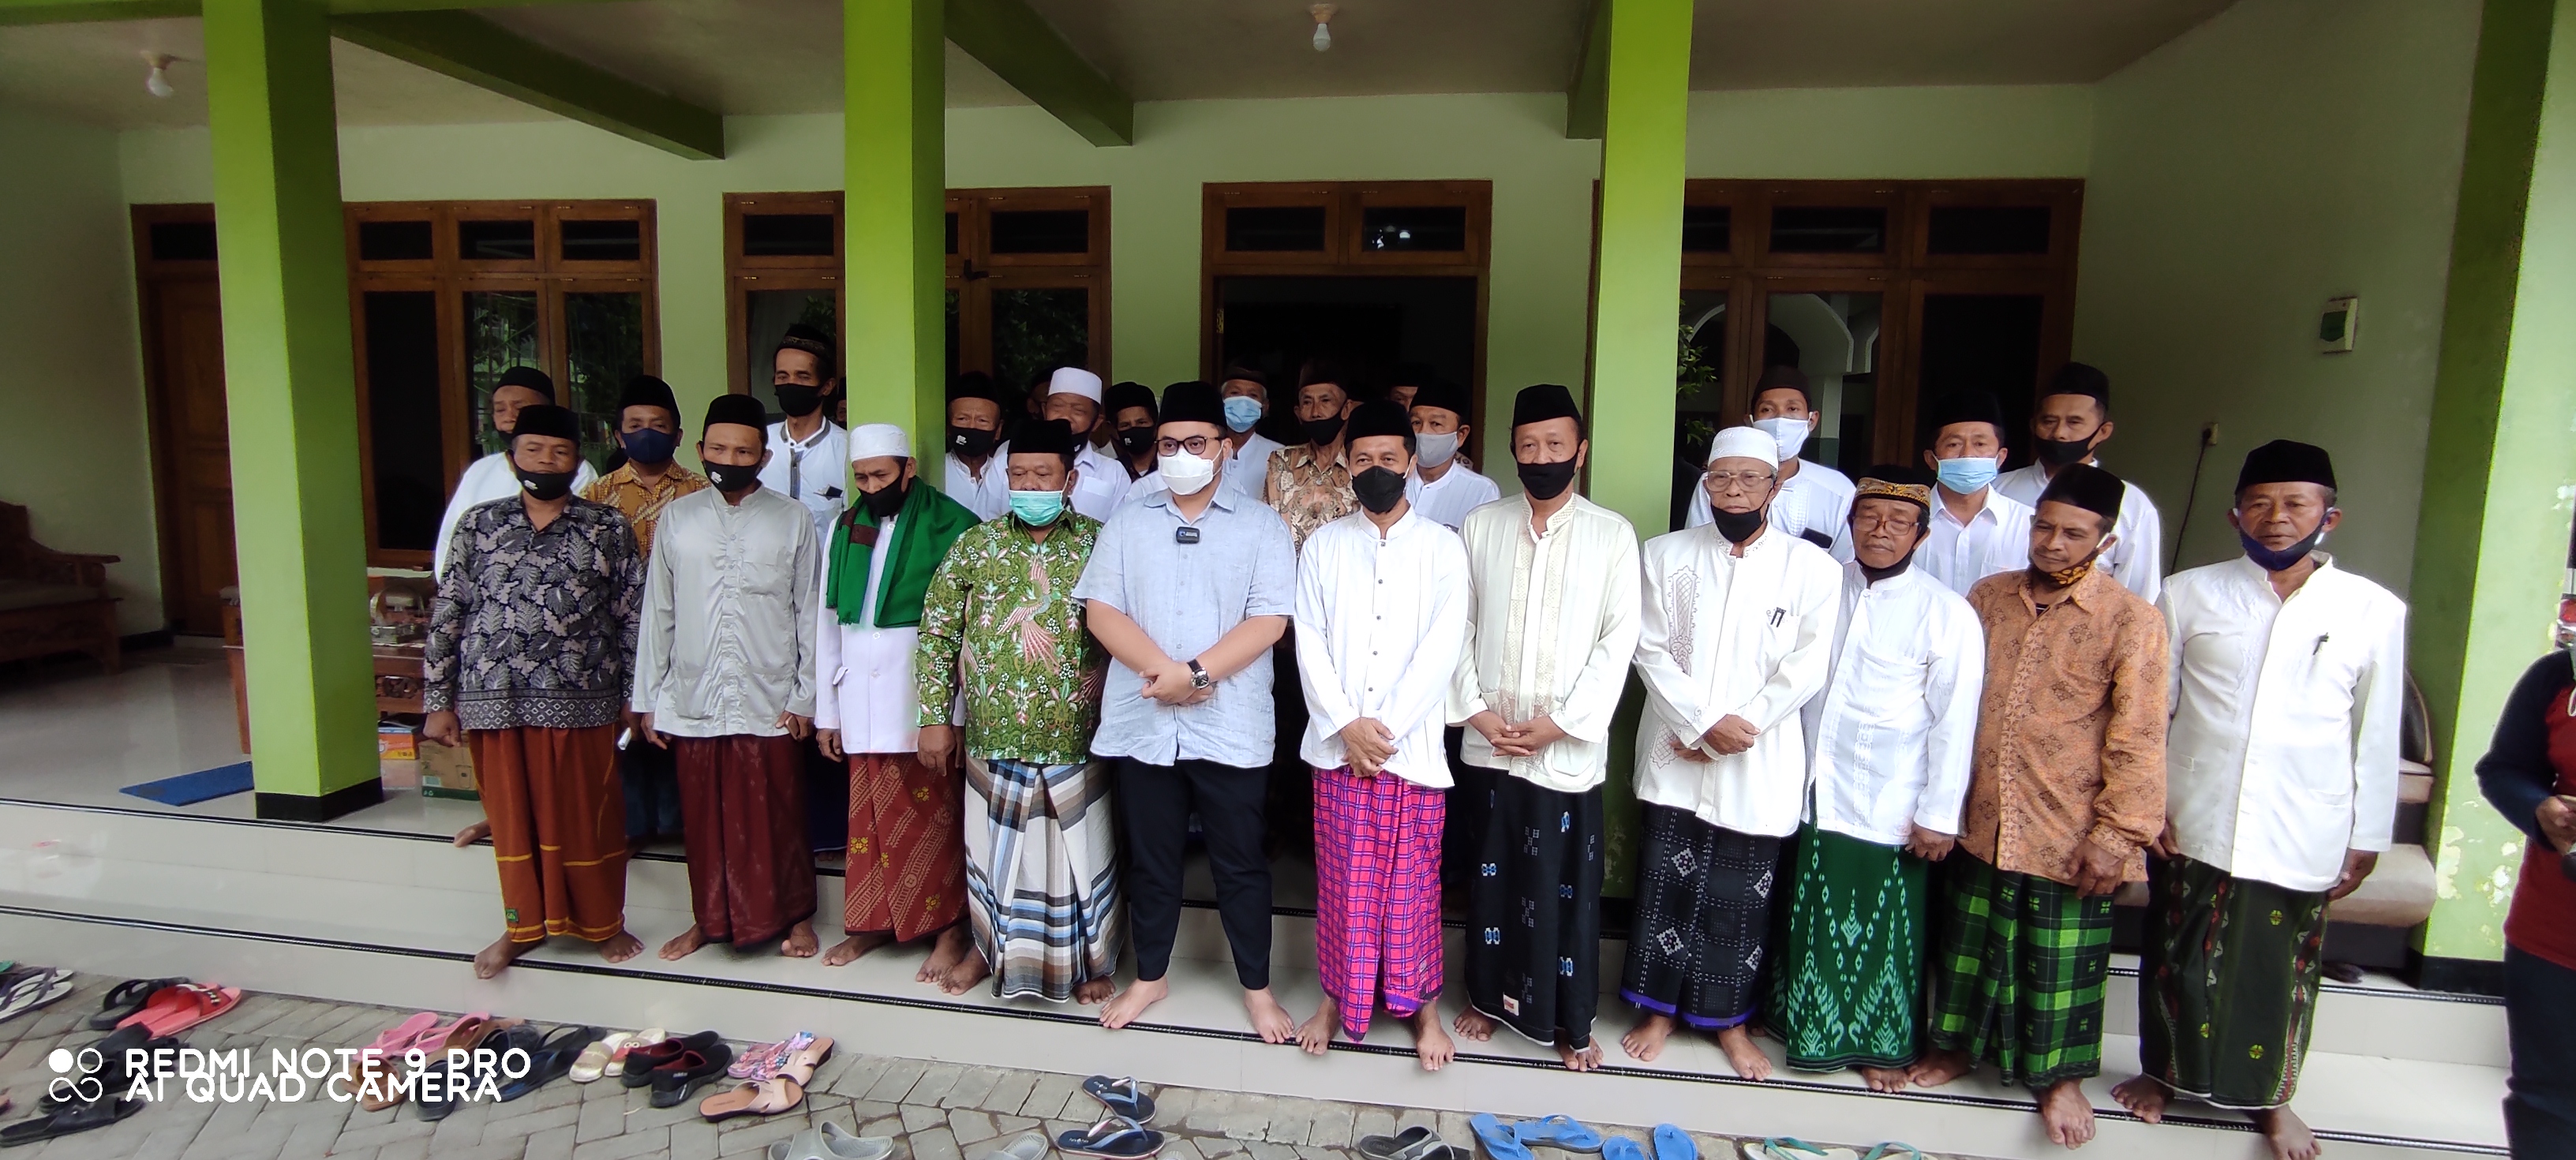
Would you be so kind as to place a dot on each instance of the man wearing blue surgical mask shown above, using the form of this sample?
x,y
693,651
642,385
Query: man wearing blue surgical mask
x,y
1976,531
1247,402
1814,501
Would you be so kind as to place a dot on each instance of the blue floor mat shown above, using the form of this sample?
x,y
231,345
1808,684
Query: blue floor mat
x,y
188,789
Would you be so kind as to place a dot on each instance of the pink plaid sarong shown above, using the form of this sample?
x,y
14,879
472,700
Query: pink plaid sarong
x,y
1377,886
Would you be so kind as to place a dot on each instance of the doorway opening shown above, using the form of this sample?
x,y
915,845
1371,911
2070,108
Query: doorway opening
x,y
1370,324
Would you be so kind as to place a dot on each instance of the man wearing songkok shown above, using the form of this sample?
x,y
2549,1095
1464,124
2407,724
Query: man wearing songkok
x,y
1443,488
1131,429
724,678
907,867
1001,625
1815,500
2066,791
1552,630
978,457
1099,480
2281,791
2071,421
492,476
1889,742
530,643
1737,632
811,449
1310,484
648,426
1977,531
1381,619
1188,589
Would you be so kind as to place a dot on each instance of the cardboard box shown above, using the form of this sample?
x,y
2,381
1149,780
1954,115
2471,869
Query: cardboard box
x,y
448,772
398,774
396,743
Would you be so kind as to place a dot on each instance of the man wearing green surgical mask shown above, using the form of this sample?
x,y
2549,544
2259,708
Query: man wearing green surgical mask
x,y
1000,620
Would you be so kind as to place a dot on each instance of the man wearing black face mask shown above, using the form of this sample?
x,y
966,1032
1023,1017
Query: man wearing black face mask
x,y
1133,418
2071,421
978,456
648,424
809,453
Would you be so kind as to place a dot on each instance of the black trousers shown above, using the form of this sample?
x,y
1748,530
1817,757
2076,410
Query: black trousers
x,y
1154,806
652,777
2540,1090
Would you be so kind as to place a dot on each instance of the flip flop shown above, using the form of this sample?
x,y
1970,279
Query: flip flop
x,y
1894,1148
172,1010
1025,1146
68,1120
388,1044
1672,1143
800,1063
454,1082
766,1098
672,1082
432,1044
1122,1097
1793,1148
1621,1148
1560,1132
41,987
1115,1138
761,1061
1500,1141
551,1060
593,1062
617,1058
1414,1143
830,1142
125,999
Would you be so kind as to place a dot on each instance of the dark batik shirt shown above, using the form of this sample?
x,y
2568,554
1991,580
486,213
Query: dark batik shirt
x,y
535,627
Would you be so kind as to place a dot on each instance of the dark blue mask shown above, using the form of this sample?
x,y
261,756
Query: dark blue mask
x,y
646,445
2283,560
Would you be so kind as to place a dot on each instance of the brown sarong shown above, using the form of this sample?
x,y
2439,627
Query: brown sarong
x,y
742,804
558,818
907,869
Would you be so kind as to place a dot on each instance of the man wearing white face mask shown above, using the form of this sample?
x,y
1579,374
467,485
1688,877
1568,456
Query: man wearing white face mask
x,y
1443,488
1977,530
1814,501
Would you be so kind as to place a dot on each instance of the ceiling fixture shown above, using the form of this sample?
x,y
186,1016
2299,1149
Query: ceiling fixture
x,y
157,82
1323,14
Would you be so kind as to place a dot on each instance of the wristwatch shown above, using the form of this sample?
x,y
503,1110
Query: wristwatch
x,y
1199,678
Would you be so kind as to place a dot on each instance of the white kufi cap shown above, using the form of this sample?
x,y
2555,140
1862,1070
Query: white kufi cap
x,y
1075,381
870,440
1744,443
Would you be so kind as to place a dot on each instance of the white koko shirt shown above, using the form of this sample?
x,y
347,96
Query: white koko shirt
x,y
2134,560
485,480
1099,483
2283,751
727,635
1996,539
1380,625
1895,730
863,674
986,497
1554,627
815,473
1723,635
1818,499
1447,500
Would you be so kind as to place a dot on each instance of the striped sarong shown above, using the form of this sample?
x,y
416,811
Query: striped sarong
x,y
2228,990
2018,979
1849,984
1377,893
1042,875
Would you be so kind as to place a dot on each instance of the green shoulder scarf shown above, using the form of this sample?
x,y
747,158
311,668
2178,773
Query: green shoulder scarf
x,y
928,523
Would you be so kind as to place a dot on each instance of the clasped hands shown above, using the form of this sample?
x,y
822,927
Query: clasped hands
x,y
1523,740
1168,683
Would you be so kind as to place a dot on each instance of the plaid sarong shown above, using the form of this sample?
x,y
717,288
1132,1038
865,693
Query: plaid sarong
x,y
2228,990
1042,875
1377,893
1849,988
2018,979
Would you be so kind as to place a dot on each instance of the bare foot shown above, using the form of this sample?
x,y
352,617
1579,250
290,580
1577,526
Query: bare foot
x,y
1132,1002
684,944
969,971
848,950
2287,1133
619,947
473,833
1584,1058
1884,1079
1093,992
1316,1034
1939,1068
1645,1041
1472,1024
801,943
944,954
492,959
1741,1053
1431,1044
1268,1017
2067,1113
2145,1098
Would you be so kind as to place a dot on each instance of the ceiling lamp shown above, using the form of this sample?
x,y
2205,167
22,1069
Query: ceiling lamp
x,y
1323,14
157,82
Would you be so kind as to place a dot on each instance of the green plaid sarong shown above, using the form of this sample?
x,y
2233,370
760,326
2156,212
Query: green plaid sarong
x,y
1848,986
2017,980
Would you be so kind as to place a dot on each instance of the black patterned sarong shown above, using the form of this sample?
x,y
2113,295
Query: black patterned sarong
x,y
1534,910
1703,915
2227,992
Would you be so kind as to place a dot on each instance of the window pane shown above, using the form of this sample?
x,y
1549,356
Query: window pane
x,y
1036,331
787,235
1833,337
1414,227
1984,342
1828,229
183,241
500,333
603,347
403,425
766,316
602,241
395,242
1988,229
496,241
1699,390
1708,229
1275,229
1041,231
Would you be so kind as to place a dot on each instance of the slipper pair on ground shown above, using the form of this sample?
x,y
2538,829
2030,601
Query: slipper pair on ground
x,y
23,989
65,1116
675,1067
1793,1148
607,1056
830,1141
777,1074
1514,1141
372,1071
162,1007
1122,1135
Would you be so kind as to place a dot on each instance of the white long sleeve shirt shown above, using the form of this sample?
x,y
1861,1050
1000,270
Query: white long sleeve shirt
x,y
2283,751
987,495
1552,631
2136,559
1381,622
1099,484
485,480
1894,733
1818,499
1447,500
727,636
863,674
1996,539
1723,635
814,471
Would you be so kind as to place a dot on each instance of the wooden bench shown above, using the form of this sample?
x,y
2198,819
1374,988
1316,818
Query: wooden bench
x,y
52,602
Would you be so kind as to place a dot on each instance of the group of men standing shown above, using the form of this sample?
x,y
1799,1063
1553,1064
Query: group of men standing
x,y
1903,737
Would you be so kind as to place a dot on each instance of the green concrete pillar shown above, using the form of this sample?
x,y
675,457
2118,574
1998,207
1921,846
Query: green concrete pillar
x,y
292,401
2490,546
894,109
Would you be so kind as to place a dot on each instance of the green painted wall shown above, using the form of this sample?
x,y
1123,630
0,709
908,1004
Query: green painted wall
x,y
73,375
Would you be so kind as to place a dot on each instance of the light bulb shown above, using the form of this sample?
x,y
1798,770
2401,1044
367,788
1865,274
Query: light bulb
x,y
1323,38
1323,14
157,82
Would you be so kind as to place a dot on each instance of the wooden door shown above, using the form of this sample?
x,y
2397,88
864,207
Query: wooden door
x,y
193,450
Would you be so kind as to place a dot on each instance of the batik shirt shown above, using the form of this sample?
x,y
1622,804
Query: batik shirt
x,y
643,502
534,627
1312,493
1001,619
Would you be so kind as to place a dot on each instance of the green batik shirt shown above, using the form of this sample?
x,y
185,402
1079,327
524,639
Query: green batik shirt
x,y
1001,620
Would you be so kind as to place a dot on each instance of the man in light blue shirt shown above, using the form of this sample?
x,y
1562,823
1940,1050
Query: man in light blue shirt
x,y
1188,589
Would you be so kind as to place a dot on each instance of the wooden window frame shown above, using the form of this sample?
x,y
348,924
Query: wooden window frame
x,y
805,272
151,275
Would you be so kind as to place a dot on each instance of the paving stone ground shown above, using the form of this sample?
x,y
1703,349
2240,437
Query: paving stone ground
x,y
935,1111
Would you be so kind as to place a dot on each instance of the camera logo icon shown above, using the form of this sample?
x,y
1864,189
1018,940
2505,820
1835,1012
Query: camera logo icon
x,y
83,1087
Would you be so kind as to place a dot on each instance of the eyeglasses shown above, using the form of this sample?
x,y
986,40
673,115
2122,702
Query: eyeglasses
x,y
1195,445
1897,524
1751,480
